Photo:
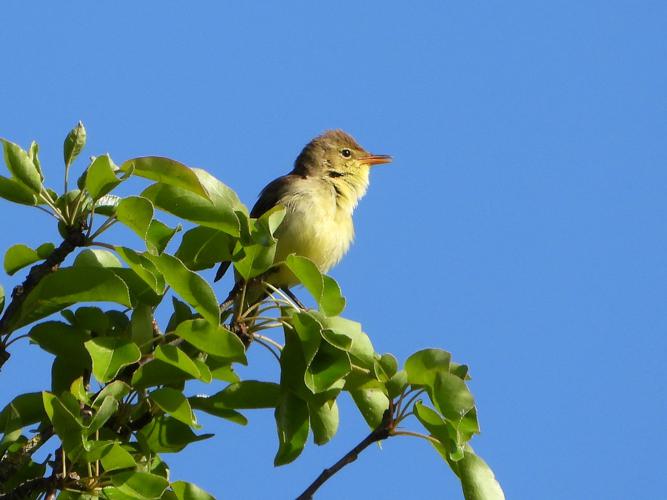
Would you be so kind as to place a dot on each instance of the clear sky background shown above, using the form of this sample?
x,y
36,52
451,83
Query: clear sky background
x,y
521,226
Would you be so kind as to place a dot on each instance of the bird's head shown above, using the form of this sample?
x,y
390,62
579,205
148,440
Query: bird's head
x,y
338,158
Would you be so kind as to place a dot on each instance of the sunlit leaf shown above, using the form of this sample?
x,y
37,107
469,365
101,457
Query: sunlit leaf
x,y
140,484
96,258
101,177
68,286
323,420
159,235
74,143
19,256
189,491
423,366
168,435
175,404
190,286
117,458
14,191
202,247
324,289
22,167
136,213
212,339
372,404
110,354
107,408
292,421
218,211
166,171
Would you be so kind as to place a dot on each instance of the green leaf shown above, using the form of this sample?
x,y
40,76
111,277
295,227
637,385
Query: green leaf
x,y
117,389
174,403
451,396
190,286
141,327
189,491
107,408
327,369
157,372
252,260
96,258
33,154
2,298
174,356
438,428
22,167
217,409
140,484
74,143
323,420
203,247
216,211
23,410
60,339
182,312
68,286
110,354
166,171
19,256
360,346
397,383
372,404
477,478
136,213
423,366
143,268
248,394
116,458
168,435
324,289
212,339
66,423
159,235
16,192
101,177
140,291
65,371
292,422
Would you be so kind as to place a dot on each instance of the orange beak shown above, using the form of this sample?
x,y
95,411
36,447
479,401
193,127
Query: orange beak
x,y
375,159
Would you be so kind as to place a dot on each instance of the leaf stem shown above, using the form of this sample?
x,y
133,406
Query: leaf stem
x,y
416,434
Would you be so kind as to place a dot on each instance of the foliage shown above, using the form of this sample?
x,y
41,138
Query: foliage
x,y
119,399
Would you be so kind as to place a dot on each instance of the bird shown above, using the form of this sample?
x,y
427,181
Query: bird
x,y
320,194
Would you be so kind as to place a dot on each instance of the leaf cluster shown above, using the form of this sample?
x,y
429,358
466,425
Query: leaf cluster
x,y
120,397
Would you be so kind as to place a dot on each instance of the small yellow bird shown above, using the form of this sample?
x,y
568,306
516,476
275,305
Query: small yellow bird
x,y
329,177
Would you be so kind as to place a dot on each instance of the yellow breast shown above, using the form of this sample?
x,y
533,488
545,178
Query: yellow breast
x,y
315,226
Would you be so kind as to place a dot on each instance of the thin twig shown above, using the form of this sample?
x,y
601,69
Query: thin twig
x,y
383,431
416,434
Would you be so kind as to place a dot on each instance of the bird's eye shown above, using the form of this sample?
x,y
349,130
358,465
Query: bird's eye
x,y
346,153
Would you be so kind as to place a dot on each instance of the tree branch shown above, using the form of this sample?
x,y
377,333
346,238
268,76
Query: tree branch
x,y
381,432
75,238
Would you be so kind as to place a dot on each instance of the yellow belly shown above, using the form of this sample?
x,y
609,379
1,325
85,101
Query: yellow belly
x,y
313,227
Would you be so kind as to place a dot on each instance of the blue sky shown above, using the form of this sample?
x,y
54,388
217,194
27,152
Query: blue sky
x,y
521,226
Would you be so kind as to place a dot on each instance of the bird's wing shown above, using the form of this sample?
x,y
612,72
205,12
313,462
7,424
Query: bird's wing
x,y
268,198
272,194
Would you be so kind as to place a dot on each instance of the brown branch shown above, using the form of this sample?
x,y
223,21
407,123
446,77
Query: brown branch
x,y
75,238
381,432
